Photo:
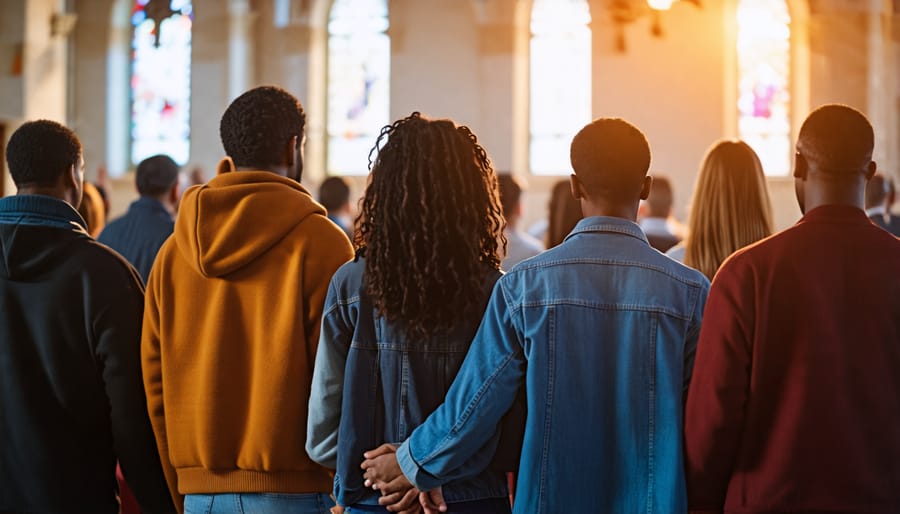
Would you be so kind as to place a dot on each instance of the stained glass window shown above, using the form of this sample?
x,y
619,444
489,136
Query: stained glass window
x,y
161,82
763,46
560,81
359,64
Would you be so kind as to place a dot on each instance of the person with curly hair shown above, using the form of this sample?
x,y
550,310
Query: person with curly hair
x,y
600,331
233,309
399,319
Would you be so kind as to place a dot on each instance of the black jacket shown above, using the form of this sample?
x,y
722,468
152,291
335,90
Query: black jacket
x,y
71,395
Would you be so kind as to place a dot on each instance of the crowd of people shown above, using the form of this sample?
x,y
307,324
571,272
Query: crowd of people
x,y
262,353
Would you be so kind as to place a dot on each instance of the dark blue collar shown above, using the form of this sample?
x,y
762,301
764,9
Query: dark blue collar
x,y
39,210
608,224
150,204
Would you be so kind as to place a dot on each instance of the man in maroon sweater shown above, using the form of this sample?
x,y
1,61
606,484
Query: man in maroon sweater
x,y
794,405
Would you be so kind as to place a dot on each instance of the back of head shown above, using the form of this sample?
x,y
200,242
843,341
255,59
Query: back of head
x,y
258,125
334,194
730,208
40,152
877,191
431,223
155,176
611,157
836,139
565,212
510,193
661,198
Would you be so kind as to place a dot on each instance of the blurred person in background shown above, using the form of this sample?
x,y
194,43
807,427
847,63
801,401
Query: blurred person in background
x,y
150,220
730,208
520,244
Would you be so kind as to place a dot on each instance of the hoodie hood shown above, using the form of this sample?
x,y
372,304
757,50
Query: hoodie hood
x,y
237,217
35,232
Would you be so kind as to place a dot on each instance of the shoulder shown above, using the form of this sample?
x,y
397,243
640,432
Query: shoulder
x,y
112,229
351,273
319,229
104,262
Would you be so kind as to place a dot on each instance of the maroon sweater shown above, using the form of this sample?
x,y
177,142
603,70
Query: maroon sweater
x,y
794,405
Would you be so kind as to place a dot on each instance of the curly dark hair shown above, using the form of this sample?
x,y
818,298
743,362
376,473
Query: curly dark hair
x,y
431,224
258,124
39,152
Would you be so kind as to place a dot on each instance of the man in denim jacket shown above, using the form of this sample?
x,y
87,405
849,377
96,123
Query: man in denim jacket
x,y
601,330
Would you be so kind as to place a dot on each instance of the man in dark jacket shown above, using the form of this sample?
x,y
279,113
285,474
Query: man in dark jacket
x,y
140,233
71,394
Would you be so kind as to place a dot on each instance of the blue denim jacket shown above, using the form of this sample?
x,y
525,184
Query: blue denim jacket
x,y
371,386
602,331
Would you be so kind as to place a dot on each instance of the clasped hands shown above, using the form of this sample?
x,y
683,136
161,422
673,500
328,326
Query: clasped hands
x,y
382,473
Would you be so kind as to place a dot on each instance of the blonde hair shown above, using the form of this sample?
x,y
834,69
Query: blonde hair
x,y
730,208
92,210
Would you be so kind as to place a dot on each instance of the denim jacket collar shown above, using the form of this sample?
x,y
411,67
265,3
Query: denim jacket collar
x,y
608,224
40,210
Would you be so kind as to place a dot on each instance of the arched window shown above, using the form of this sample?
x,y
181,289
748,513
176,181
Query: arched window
x,y
560,69
764,63
161,79
359,64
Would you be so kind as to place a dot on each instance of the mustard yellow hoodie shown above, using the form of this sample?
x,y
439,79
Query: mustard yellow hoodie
x,y
231,324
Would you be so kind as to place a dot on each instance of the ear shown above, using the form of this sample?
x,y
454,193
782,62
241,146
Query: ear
x,y
577,187
645,187
870,170
175,192
801,166
73,181
290,153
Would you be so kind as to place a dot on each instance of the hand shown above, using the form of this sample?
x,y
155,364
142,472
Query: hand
x,y
433,501
381,467
337,509
403,502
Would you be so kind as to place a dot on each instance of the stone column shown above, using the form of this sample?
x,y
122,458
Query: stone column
x,y
241,72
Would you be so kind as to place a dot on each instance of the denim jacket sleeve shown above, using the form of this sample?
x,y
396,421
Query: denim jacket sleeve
x,y
455,440
326,393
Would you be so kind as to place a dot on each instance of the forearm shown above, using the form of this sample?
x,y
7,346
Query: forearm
x,y
460,436
325,402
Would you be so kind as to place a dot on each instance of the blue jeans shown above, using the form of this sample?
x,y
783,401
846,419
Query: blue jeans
x,y
258,503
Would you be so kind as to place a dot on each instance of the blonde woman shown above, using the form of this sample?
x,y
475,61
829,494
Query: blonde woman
x,y
730,208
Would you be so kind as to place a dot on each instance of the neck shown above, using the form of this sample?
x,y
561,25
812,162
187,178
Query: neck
x,y
821,189
51,191
512,222
166,203
591,207
278,170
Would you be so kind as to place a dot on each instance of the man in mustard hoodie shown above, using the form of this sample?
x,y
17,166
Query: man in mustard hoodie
x,y
233,307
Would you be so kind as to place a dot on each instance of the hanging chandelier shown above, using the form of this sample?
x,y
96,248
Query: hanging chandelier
x,y
625,12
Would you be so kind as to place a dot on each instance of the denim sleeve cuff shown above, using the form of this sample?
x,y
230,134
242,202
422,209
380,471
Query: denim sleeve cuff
x,y
420,478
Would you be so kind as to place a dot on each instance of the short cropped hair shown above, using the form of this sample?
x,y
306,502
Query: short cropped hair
x,y
258,124
837,138
41,151
510,193
334,193
661,197
156,175
611,157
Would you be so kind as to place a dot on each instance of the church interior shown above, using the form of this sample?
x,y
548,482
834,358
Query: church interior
x,y
135,78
